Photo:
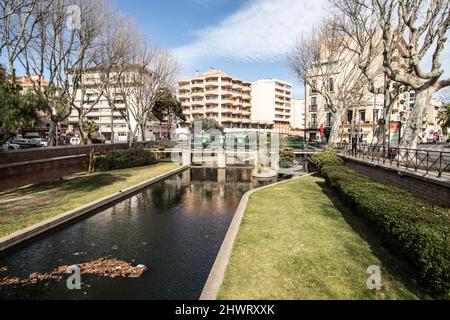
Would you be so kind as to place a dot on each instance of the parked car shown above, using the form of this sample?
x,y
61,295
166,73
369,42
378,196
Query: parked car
x,y
25,143
10,146
42,142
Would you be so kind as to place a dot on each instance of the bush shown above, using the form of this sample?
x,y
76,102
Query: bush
x,y
326,158
410,226
286,158
133,157
161,144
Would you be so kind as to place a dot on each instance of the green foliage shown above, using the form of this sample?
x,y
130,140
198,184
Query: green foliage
x,y
161,145
207,124
410,226
16,109
444,117
133,157
91,128
166,105
326,158
286,158
295,142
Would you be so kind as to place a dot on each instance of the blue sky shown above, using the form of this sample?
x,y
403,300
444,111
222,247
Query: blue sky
x,y
248,39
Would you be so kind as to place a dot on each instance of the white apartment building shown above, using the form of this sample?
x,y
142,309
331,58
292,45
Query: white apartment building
x,y
298,114
219,96
111,122
272,102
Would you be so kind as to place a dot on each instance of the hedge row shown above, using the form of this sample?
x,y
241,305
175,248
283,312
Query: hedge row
x,y
133,157
410,226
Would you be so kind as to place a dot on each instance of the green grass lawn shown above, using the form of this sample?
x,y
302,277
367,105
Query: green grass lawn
x,y
22,207
294,243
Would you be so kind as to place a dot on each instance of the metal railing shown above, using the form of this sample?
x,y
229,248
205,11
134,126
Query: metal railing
x,y
429,161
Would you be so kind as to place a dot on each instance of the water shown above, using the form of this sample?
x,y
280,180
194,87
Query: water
x,y
174,227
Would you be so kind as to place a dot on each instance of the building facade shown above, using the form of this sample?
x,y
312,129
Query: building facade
x,y
219,96
112,125
272,102
298,115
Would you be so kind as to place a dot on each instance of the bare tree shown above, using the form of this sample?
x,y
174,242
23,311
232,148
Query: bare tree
x,y
65,41
16,29
319,57
357,28
134,71
420,27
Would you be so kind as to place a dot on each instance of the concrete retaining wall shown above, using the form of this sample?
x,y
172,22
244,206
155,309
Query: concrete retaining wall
x,y
29,172
23,155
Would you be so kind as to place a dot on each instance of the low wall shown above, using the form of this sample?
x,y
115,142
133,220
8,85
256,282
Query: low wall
x,y
434,189
28,172
14,156
22,167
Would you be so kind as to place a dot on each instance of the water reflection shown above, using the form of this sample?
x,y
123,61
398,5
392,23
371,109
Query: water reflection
x,y
174,227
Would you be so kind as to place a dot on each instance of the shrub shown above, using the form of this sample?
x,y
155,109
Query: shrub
x,y
161,144
326,158
286,158
412,227
133,157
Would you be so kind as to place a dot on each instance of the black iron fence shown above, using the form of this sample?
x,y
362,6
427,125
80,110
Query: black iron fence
x,y
430,161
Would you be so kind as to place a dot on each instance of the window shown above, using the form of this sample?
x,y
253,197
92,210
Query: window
x,y
375,115
329,121
349,116
314,86
314,101
331,85
362,116
313,120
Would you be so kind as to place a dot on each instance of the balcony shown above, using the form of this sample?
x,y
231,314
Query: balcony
x,y
198,111
197,85
197,94
198,102
212,93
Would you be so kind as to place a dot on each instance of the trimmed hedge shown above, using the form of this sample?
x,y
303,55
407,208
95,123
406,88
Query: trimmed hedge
x,y
133,157
410,226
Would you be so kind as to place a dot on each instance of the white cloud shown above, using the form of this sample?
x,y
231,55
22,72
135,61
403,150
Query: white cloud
x,y
263,30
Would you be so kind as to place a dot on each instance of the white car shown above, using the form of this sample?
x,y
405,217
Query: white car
x,y
10,146
42,142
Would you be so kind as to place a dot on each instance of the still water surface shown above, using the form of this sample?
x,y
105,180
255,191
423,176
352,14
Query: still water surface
x,y
174,227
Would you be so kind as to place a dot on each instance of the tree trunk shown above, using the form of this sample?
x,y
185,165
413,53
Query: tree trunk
x,y
112,126
131,133
81,127
414,124
333,139
142,127
51,133
379,131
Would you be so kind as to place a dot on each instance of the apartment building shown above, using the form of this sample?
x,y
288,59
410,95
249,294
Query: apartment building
x,y
363,113
362,120
113,127
298,115
431,128
41,129
217,95
272,102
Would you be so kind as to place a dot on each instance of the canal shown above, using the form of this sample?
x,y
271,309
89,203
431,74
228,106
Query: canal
x,y
174,227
